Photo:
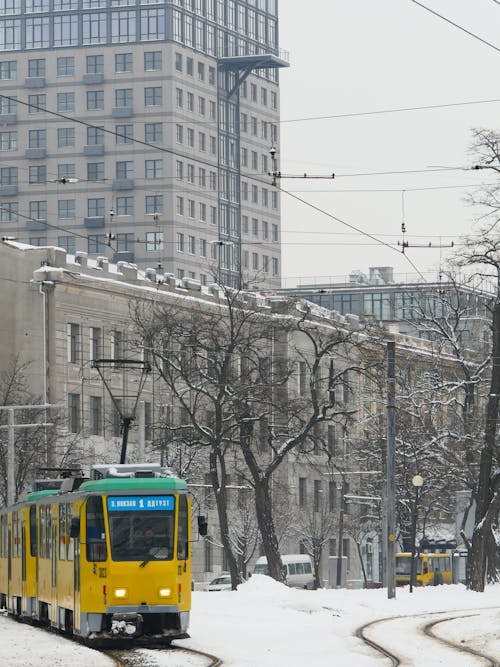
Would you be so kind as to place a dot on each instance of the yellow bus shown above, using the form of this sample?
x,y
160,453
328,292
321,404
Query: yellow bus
x,y
431,569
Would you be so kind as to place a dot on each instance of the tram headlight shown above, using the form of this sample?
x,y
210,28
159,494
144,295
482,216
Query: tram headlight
x,y
120,593
165,592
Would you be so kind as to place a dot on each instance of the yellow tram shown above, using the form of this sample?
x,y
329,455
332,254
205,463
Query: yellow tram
x,y
104,557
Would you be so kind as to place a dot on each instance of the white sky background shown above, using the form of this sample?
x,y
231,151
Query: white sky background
x,y
266,624
352,56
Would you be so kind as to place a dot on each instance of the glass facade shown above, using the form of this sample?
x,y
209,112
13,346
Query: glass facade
x,y
214,27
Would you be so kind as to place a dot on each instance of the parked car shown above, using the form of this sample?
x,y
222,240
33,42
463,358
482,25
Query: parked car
x,y
220,583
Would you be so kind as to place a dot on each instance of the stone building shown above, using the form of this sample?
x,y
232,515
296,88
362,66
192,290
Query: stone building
x,y
62,312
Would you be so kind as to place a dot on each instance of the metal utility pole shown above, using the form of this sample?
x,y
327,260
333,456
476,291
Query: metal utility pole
x,y
390,513
11,453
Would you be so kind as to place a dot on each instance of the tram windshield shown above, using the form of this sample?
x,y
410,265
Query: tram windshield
x,y
403,565
141,528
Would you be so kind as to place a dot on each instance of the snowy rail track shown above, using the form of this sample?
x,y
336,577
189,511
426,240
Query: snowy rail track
x,y
392,638
389,637
163,657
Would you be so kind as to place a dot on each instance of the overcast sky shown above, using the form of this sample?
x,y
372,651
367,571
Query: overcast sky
x,y
351,56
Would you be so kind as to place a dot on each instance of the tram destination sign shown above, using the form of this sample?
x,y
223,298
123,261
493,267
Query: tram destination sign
x,y
140,503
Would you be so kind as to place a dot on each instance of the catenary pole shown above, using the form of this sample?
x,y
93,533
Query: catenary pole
x,y
390,474
11,454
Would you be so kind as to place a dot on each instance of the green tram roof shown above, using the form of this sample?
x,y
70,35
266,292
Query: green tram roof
x,y
33,496
128,484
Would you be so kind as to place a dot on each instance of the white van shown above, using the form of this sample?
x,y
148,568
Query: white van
x,y
299,569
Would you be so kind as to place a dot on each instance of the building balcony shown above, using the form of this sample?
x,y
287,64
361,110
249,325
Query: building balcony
x,y
93,149
34,82
94,222
123,184
36,225
122,112
35,153
8,118
8,190
93,78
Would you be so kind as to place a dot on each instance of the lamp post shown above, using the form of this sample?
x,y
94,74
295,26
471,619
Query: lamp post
x,y
417,482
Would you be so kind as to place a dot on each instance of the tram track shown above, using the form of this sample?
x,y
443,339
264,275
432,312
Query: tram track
x,y
396,656
149,657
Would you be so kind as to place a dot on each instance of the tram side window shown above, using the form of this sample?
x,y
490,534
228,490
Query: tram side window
x,y
4,536
182,531
16,535
33,531
96,533
45,542
65,542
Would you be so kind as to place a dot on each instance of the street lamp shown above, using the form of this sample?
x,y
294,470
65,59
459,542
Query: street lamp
x,y
417,482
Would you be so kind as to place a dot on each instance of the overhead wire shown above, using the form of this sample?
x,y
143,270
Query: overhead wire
x,y
456,25
376,112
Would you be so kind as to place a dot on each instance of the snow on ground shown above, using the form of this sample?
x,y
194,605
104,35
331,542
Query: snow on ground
x,y
266,624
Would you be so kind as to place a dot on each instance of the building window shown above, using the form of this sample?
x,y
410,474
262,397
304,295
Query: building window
x,y
180,242
124,169
8,69
124,134
95,136
38,210
37,174
95,171
123,62
302,492
154,204
153,133
68,243
66,170
95,207
95,415
8,176
302,378
95,64
124,206
8,211
37,103
152,61
153,96
123,97
332,491
73,339
37,138
36,67
95,100
8,141
65,102
179,98
66,208
317,495
117,345
65,136
154,241
153,169
95,343
97,244
74,413
66,66
125,242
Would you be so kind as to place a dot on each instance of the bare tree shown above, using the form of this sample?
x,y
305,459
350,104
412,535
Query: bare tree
x,y
233,369
30,443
